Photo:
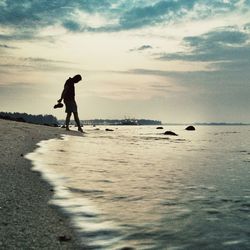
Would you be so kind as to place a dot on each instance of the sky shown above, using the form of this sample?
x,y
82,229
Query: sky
x,y
177,61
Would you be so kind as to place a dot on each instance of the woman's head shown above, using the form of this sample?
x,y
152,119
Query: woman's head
x,y
77,78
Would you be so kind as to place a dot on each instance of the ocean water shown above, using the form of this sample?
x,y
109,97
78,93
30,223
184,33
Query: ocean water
x,y
137,188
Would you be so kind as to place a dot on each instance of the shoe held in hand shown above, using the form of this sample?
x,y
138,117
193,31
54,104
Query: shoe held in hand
x,y
58,105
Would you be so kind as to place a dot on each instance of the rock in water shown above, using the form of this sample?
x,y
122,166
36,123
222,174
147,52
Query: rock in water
x,y
108,129
159,128
170,133
64,238
190,128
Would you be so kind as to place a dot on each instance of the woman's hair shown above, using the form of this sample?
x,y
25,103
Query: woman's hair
x,y
77,78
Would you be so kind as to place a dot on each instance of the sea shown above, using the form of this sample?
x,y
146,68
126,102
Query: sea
x,y
136,188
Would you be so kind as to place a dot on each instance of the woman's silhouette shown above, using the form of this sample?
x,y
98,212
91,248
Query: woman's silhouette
x,y
68,96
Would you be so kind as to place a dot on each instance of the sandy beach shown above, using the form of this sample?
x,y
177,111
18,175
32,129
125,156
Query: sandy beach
x,y
27,221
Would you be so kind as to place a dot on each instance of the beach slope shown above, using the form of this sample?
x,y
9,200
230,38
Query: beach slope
x,y
27,221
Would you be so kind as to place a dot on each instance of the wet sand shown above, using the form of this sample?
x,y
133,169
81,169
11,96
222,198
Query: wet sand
x,y
27,221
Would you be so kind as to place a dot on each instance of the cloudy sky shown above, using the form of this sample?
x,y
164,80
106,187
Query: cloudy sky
x,y
172,60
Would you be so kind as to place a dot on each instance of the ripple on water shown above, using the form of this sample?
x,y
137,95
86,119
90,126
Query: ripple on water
x,y
198,198
178,140
212,219
85,191
211,210
154,138
115,198
209,188
178,212
245,207
233,242
104,181
176,247
182,212
137,198
191,188
169,203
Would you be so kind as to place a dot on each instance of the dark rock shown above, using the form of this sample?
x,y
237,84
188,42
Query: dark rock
x,y
190,128
127,248
170,133
64,238
108,129
159,128
21,155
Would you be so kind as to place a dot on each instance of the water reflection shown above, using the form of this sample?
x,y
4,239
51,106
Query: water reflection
x,y
135,187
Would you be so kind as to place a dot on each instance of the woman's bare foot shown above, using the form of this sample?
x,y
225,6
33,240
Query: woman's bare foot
x,y
80,130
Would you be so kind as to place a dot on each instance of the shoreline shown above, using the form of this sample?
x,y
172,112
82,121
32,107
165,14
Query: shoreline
x,y
26,218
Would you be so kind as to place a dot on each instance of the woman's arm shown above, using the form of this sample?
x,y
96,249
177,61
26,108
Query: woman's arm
x,y
63,93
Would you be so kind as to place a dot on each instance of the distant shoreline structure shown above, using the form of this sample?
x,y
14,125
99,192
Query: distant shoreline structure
x,y
50,120
117,122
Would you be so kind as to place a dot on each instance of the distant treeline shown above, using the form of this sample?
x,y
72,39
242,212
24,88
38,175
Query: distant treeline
x,y
117,122
49,120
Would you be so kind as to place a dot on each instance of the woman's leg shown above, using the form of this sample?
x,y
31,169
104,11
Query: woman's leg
x,y
68,120
77,121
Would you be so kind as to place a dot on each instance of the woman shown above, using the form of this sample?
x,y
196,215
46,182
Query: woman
x,y
68,96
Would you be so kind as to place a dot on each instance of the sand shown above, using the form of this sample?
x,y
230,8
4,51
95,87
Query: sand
x,y
27,221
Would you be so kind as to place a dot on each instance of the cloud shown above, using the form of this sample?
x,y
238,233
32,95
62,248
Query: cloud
x,y
72,26
218,53
42,60
32,63
28,13
20,34
233,66
225,47
246,27
206,76
23,35
226,36
152,14
29,16
143,47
